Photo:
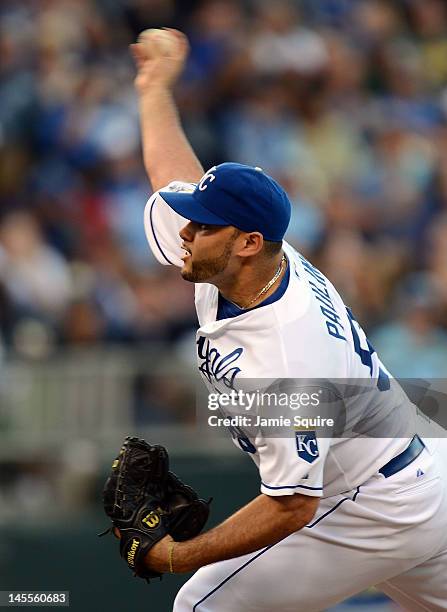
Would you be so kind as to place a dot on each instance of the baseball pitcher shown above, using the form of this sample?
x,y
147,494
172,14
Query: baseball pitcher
x,y
335,514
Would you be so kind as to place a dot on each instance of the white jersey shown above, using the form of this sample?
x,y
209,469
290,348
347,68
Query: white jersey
x,y
306,334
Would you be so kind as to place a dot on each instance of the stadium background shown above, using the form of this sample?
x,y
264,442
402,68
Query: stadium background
x,y
343,101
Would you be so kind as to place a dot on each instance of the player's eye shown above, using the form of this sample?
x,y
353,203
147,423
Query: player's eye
x,y
203,226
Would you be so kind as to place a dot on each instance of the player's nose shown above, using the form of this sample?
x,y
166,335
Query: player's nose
x,y
186,233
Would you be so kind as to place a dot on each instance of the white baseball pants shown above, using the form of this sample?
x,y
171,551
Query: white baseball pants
x,y
390,532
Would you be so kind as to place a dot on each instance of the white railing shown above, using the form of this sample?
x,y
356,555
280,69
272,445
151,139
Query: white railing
x,y
93,394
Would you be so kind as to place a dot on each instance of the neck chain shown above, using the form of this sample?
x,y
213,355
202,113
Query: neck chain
x,y
271,282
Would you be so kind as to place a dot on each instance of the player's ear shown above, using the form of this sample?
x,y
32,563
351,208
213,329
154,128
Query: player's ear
x,y
251,243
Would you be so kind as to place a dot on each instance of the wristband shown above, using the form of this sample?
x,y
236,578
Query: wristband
x,y
171,557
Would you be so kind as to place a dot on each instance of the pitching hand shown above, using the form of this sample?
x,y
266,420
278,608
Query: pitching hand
x,y
159,64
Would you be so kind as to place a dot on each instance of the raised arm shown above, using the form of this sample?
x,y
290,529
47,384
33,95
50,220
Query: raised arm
x,y
167,154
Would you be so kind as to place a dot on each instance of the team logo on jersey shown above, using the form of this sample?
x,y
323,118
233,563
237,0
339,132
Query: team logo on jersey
x,y
307,445
246,445
215,367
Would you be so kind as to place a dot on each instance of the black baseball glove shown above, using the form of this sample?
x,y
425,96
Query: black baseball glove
x,y
146,501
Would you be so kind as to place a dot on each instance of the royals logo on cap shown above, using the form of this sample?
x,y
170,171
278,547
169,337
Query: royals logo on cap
x,y
233,194
208,177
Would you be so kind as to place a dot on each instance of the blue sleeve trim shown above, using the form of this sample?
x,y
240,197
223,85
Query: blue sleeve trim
x,y
155,236
292,487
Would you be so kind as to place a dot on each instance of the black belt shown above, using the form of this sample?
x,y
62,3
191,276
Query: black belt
x,y
413,450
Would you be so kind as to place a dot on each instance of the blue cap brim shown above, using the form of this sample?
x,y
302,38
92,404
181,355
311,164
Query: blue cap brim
x,y
186,205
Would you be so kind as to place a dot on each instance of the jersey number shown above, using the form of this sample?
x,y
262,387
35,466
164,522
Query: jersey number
x,y
366,354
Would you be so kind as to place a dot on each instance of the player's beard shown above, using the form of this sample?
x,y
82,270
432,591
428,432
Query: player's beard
x,y
205,269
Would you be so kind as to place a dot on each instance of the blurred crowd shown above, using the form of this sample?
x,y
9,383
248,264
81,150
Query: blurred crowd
x,y
343,101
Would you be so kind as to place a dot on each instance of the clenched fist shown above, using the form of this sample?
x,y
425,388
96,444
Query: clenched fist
x,y
159,56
